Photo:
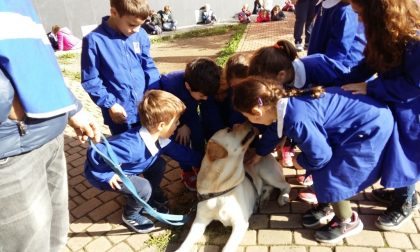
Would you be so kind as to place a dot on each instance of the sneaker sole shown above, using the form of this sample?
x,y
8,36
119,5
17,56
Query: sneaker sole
x,y
311,201
391,228
341,237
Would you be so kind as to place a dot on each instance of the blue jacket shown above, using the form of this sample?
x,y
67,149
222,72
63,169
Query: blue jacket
x,y
342,137
339,35
117,69
29,70
136,153
203,114
400,89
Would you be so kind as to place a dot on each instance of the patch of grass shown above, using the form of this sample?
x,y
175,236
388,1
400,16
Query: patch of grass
x,y
232,45
67,58
71,75
159,241
202,32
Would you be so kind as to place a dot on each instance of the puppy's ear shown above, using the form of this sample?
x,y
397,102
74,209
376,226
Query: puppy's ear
x,y
215,151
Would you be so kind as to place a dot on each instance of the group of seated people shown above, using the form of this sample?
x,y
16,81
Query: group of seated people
x,y
265,12
160,21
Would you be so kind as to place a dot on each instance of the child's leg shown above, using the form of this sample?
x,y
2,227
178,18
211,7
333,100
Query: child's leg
x,y
143,190
400,210
346,223
132,215
155,175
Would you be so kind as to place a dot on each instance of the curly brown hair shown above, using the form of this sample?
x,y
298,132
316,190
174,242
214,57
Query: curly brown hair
x,y
389,26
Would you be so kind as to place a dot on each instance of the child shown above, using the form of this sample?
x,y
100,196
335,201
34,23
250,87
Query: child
x,y
116,64
343,158
288,6
169,24
138,150
263,16
277,14
244,15
208,16
196,87
151,26
338,35
65,39
392,51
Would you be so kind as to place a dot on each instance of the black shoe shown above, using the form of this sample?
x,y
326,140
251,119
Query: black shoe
x,y
394,216
138,223
336,230
318,216
383,195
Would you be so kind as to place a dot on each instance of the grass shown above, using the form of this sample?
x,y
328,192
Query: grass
x,y
203,32
71,75
67,58
160,241
232,45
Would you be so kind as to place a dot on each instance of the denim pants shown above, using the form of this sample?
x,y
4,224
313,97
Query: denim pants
x,y
144,191
34,200
404,194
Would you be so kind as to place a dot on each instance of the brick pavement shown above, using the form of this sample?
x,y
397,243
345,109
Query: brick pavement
x,y
95,216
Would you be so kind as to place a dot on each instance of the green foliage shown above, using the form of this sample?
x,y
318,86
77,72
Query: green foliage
x,y
67,58
232,45
160,241
200,32
71,75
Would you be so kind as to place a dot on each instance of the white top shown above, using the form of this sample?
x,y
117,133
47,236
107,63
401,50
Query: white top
x,y
281,112
300,73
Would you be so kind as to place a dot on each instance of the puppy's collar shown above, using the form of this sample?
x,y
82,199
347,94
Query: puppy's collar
x,y
207,196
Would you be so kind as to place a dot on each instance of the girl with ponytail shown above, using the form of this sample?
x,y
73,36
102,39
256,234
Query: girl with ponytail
x,y
341,136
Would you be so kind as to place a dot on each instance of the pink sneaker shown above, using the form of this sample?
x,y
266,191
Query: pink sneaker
x,y
308,195
189,179
305,181
287,156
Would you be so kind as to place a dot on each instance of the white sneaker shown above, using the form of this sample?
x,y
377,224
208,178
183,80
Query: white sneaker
x,y
299,47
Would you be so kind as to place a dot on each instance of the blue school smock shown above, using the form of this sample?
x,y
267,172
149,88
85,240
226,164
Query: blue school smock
x,y
342,137
117,69
399,88
203,118
136,152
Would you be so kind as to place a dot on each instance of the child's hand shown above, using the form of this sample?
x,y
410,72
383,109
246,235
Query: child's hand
x,y
114,182
117,113
356,88
183,135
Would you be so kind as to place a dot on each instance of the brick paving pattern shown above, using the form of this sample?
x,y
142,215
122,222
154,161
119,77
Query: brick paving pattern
x,y
95,216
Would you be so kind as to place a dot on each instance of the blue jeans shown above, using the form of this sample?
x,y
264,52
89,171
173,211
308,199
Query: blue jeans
x,y
404,194
34,200
143,190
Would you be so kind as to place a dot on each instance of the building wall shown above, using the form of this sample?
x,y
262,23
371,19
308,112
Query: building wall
x,y
77,13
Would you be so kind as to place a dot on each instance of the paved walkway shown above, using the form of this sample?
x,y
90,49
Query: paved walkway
x,y
96,215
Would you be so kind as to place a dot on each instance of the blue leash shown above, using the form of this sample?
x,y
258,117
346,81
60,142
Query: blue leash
x,y
111,159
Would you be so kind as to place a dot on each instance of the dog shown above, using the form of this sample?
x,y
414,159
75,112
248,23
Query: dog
x,y
225,193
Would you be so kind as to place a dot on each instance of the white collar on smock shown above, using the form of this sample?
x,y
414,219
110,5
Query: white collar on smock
x,y
150,143
330,3
300,73
281,112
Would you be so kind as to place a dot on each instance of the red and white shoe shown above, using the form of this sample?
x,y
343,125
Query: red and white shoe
x,y
189,178
308,195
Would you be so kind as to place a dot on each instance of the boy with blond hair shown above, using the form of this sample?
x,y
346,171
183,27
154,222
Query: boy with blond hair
x,y
138,151
116,64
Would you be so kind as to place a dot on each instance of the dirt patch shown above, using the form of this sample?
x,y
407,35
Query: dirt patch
x,y
173,55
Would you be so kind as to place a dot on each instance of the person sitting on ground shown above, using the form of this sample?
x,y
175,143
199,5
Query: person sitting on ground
x,y
244,15
151,27
168,22
288,6
53,39
263,16
277,14
139,150
208,15
65,39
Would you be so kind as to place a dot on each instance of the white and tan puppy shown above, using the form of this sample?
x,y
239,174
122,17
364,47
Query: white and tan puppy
x,y
227,195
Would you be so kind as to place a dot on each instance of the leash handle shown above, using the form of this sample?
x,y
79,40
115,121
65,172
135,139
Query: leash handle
x,y
110,158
